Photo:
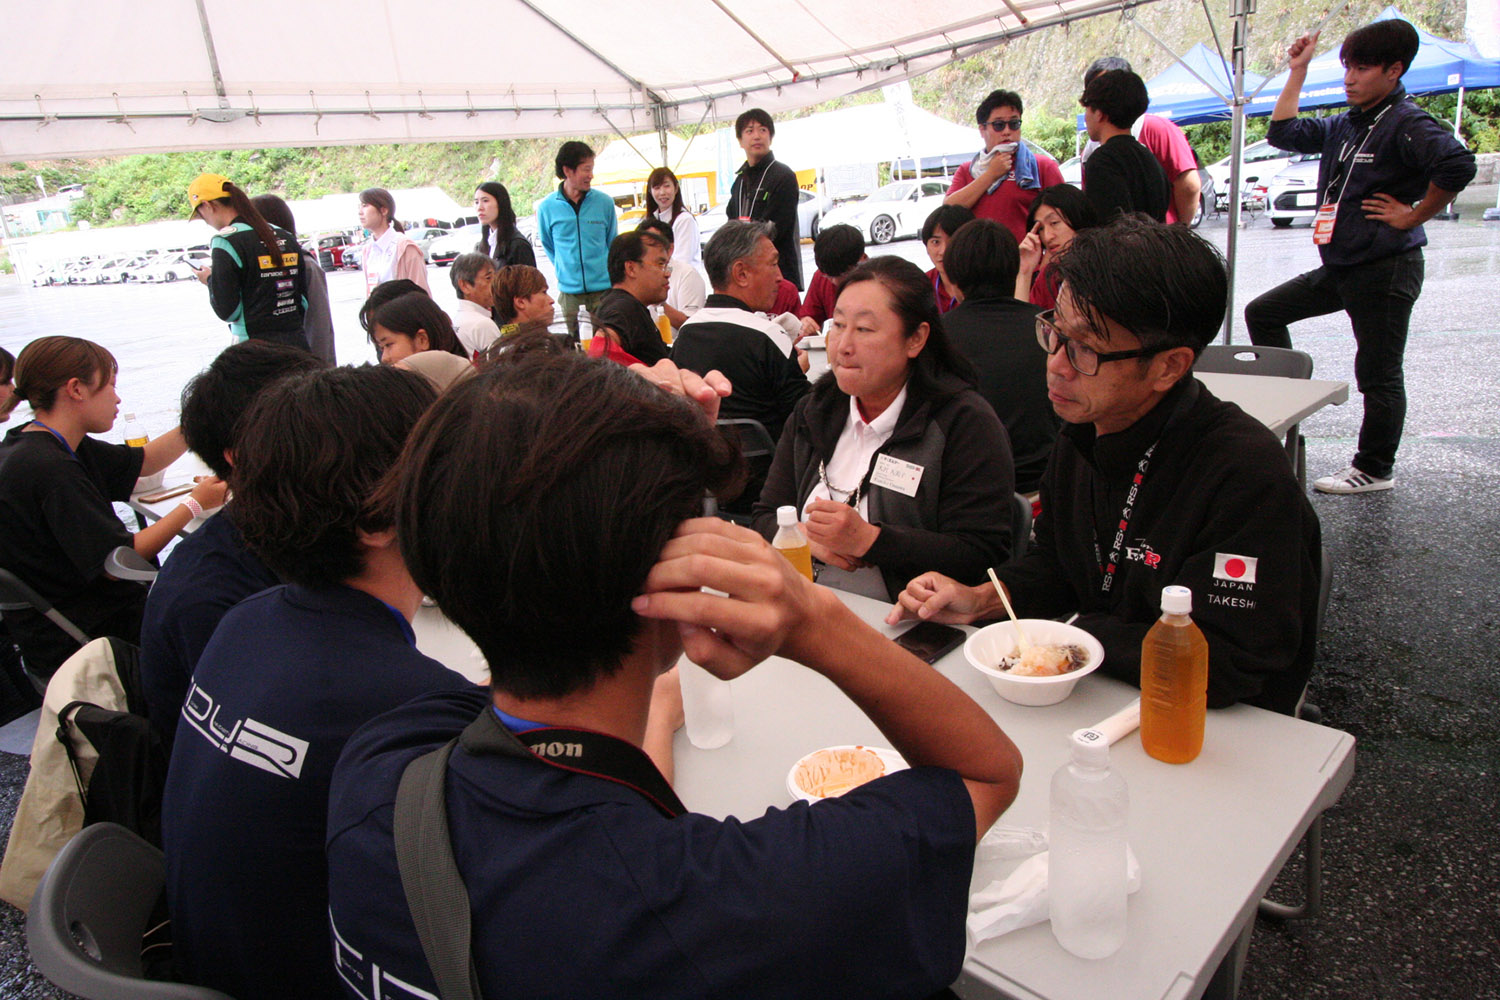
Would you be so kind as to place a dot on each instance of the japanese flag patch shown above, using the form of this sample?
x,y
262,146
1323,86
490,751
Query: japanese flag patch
x,y
1236,569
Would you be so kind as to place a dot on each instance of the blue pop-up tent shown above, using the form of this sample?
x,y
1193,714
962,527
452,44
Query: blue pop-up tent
x,y
1182,92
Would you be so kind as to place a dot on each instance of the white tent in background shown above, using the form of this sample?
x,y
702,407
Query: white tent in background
x,y
109,78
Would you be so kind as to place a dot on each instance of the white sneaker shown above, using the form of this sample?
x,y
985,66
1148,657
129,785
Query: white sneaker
x,y
1351,480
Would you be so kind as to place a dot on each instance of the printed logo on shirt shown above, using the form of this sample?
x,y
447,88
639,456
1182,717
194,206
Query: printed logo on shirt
x,y
1141,552
1233,568
1365,158
264,260
365,976
288,260
254,743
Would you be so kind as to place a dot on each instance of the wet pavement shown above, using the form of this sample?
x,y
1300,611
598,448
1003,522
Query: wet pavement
x,y
1406,658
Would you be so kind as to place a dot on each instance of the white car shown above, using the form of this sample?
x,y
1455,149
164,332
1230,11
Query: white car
x,y
894,211
123,271
448,246
812,216
175,266
424,236
1260,161
1293,193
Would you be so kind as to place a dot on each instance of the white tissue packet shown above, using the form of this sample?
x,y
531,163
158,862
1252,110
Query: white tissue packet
x,y
1005,842
1020,900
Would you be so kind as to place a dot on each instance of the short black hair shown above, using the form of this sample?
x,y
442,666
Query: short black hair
x,y
215,400
414,313
982,259
652,226
627,248
998,99
575,472
1381,44
1164,284
1117,94
948,218
570,155
837,249
312,450
753,115
380,295
1103,65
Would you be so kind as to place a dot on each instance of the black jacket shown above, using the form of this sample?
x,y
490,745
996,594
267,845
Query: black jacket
x,y
998,336
1219,511
260,296
959,521
729,336
767,192
1401,155
516,250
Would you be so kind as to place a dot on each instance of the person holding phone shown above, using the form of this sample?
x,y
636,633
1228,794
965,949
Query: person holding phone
x,y
1003,179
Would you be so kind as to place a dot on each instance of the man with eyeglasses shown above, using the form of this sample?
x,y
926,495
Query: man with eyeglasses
x,y
1007,175
640,272
1153,481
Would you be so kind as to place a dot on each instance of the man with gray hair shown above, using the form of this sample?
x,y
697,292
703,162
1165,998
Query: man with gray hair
x,y
732,334
474,322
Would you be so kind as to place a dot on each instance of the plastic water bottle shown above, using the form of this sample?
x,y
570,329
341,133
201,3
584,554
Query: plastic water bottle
x,y
707,706
1174,681
135,434
1086,850
791,542
585,328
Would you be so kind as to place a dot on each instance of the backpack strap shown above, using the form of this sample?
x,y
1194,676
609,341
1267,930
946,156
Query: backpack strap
x,y
65,737
435,892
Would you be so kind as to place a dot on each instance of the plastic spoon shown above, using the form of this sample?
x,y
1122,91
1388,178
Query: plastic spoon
x,y
1021,644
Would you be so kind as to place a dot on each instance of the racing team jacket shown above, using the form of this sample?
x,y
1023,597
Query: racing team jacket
x,y
1219,511
259,296
1404,151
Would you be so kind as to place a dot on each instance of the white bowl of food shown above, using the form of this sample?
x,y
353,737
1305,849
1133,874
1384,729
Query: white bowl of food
x,y
1045,674
832,771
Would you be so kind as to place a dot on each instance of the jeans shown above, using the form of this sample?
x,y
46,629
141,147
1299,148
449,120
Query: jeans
x,y
1378,297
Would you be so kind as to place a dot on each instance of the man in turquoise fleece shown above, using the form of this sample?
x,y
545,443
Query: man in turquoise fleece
x,y
577,225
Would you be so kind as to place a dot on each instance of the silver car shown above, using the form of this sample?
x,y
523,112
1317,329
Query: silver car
x,y
1293,193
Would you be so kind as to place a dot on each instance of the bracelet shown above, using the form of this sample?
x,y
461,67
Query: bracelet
x,y
194,507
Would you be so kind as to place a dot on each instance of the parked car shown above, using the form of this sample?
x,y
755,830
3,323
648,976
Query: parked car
x,y
1260,162
812,213
526,226
896,210
123,270
1293,193
330,250
350,258
451,244
174,266
424,236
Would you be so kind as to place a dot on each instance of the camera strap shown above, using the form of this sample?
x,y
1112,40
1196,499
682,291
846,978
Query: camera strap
x,y
435,891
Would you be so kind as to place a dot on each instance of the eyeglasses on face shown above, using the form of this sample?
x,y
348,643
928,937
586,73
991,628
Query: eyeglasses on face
x,y
1085,360
1002,124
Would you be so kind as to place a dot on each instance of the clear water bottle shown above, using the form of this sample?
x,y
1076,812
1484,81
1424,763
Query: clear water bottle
x,y
707,706
135,434
1086,850
585,328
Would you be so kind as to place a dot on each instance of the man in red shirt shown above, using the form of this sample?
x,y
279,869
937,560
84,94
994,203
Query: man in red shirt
x,y
1167,142
1006,176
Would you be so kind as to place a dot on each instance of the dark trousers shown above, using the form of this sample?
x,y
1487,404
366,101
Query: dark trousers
x,y
1378,298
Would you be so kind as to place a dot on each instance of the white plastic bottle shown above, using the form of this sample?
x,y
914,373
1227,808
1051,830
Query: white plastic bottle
x,y
707,706
135,434
585,328
1086,850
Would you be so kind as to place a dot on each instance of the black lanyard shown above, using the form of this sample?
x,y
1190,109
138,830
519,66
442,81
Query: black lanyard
x,y
1108,570
581,751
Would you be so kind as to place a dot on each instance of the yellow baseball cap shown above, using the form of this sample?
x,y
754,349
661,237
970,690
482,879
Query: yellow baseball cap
x,y
206,187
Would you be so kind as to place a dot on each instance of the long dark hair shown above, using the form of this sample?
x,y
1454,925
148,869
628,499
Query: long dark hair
x,y
241,205
1069,202
657,176
505,217
382,199
933,370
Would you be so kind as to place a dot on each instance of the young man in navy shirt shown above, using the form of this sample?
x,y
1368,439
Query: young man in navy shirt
x,y
574,561
287,676
1387,168
211,570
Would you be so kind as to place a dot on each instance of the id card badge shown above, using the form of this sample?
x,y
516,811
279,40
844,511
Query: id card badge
x,y
895,474
1323,224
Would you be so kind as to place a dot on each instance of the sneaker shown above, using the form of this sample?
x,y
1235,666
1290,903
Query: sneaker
x,y
1351,480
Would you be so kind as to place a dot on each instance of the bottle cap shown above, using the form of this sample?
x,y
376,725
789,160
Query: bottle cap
x,y
130,416
1090,748
786,516
1176,600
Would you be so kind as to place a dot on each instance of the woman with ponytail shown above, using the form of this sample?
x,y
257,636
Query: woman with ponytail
x,y
388,254
257,279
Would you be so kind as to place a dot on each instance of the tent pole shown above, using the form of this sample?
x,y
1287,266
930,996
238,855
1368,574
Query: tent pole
x,y
1458,116
659,115
1242,11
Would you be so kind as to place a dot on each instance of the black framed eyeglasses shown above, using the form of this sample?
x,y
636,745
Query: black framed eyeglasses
x,y
1085,360
1001,124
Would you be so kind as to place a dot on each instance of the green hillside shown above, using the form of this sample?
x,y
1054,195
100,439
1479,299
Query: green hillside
x,y
1045,67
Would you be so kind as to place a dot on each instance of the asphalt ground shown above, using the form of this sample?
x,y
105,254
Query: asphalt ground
x,y
1411,884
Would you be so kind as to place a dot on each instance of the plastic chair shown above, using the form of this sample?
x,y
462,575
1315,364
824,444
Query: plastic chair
x,y
1312,869
1279,362
754,441
125,563
1020,526
90,913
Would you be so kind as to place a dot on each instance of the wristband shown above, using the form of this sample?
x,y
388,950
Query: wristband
x,y
194,507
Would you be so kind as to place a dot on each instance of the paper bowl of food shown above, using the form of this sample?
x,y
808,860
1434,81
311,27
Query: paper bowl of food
x,y
1059,655
832,771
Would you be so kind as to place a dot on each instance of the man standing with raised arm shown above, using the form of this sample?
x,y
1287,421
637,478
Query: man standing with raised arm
x,y
1387,167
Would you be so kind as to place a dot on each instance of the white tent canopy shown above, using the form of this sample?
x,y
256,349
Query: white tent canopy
x,y
109,78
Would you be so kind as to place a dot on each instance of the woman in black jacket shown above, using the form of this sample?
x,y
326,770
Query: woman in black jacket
x,y
499,239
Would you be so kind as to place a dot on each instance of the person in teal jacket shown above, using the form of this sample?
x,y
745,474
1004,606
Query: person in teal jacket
x,y
577,225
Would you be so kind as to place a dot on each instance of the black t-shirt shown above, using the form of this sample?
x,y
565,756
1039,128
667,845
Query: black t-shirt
x,y
1123,176
628,317
57,524
998,336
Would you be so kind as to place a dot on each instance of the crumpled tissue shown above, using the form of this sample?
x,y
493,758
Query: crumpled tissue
x,y
1020,899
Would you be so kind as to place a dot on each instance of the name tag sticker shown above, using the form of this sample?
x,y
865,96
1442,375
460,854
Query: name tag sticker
x,y
895,474
1323,224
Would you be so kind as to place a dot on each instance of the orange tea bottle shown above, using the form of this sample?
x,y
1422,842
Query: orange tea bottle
x,y
791,542
1174,681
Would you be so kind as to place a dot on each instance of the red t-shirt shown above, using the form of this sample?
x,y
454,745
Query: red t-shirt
x,y
944,300
787,299
1169,144
817,304
1010,203
1043,295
